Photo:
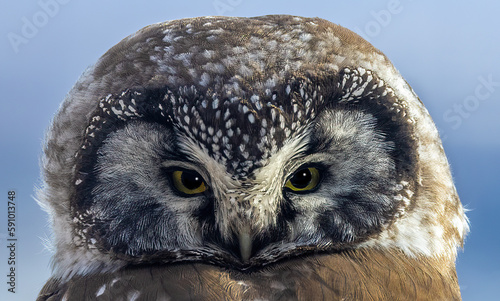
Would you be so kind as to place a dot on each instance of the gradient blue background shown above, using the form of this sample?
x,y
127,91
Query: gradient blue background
x,y
442,48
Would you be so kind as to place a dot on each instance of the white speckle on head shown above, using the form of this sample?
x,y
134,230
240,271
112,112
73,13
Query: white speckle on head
x,y
215,103
216,31
251,118
262,133
214,67
305,37
116,112
184,57
254,98
208,54
114,281
169,36
101,290
122,105
282,121
205,79
226,115
245,71
133,295
273,115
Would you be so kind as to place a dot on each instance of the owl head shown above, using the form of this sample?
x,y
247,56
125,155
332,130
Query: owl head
x,y
241,142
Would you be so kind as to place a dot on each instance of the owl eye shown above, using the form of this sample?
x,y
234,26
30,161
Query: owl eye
x,y
305,179
188,182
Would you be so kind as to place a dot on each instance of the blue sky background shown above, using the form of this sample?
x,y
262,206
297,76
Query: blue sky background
x,y
446,50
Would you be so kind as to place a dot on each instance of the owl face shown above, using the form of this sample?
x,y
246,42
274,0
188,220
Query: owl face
x,y
331,183
242,142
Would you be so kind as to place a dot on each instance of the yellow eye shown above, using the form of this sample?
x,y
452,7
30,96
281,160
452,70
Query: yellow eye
x,y
305,179
188,182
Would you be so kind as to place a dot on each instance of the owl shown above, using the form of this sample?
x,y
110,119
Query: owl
x,y
266,158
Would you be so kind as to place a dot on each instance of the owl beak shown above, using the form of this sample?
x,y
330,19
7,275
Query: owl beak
x,y
245,243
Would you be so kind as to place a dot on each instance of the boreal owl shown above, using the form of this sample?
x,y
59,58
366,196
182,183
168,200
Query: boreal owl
x,y
266,158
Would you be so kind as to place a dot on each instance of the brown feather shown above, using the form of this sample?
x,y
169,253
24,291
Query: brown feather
x,y
351,275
